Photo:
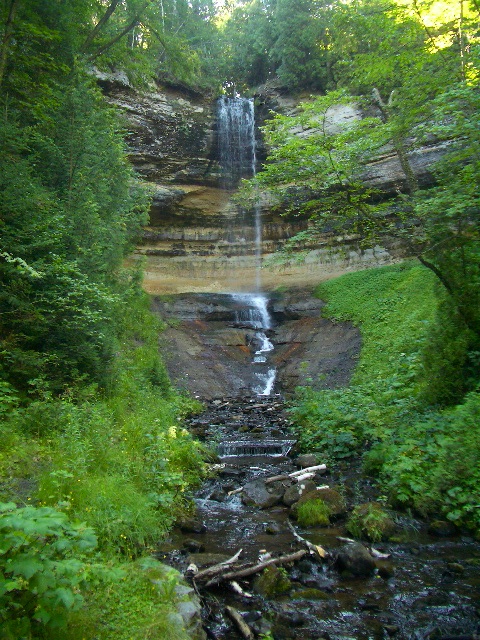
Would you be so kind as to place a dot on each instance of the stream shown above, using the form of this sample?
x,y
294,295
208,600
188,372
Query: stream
x,y
428,587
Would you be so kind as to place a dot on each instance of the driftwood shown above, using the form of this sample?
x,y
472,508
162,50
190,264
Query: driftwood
x,y
238,589
217,568
240,623
297,476
313,548
244,571
317,467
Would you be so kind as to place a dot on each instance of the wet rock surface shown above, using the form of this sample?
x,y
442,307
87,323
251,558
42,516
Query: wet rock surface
x,y
422,587
209,354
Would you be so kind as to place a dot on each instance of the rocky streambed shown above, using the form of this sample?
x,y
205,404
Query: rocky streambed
x,y
261,574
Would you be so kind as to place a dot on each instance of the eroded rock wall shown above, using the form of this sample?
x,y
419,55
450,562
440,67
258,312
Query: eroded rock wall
x,y
197,239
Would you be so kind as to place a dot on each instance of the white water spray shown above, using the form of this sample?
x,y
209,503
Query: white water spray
x,y
237,155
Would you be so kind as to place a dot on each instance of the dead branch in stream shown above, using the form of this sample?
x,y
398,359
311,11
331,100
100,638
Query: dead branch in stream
x,y
296,476
244,571
240,623
217,568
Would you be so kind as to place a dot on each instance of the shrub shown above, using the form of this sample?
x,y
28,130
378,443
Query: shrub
x,y
370,521
42,568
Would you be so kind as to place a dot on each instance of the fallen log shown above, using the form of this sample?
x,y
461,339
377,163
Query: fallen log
x,y
242,572
242,626
238,589
317,467
297,476
217,568
305,476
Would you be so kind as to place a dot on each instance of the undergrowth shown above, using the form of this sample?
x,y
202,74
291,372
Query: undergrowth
x,y
416,361
117,460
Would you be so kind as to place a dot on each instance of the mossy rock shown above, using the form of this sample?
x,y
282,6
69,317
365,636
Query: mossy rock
x,y
370,521
313,512
272,582
332,498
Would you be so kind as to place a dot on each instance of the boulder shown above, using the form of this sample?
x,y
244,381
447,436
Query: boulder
x,y
294,493
331,497
272,582
306,460
262,495
370,521
355,559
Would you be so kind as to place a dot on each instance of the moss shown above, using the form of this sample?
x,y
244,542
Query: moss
x,y
370,521
313,512
272,582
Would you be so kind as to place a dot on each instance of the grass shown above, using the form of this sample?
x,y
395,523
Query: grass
x,y
120,461
413,358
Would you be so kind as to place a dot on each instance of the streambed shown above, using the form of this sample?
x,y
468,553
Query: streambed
x,y
428,587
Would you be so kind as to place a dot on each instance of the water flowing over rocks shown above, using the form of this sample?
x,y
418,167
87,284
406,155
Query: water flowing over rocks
x,y
209,349
258,572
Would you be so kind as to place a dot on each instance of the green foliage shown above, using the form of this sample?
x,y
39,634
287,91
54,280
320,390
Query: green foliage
x,y
370,521
301,44
313,513
424,457
142,604
434,465
394,307
42,567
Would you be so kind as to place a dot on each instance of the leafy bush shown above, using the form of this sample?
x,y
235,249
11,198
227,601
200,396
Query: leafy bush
x,y
435,465
414,352
42,568
370,521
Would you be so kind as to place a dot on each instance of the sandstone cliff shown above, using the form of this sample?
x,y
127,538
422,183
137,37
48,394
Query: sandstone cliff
x,y
197,239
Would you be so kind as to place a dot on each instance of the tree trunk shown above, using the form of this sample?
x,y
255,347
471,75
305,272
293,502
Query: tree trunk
x,y
7,36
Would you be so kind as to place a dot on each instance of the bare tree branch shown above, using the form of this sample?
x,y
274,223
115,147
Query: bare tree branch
x,y
98,27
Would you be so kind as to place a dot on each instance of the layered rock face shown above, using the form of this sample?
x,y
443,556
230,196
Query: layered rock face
x,y
197,239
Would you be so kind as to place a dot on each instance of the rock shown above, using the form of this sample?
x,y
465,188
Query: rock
x,y
442,528
273,581
330,497
370,521
218,495
262,495
193,545
296,491
291,618
191,525
306,460
456,567
272,528
386,570
355,559
191,612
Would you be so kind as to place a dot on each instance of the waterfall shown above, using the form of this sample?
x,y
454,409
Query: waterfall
x,y
253,314
237,155
236,151
236,139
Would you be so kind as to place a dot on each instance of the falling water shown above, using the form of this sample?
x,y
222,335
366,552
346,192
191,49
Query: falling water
x,y
236,140
253,314
237,154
